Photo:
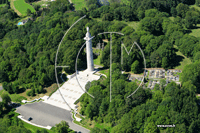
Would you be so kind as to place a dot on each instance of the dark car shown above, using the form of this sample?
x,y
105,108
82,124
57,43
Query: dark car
x,y
29,119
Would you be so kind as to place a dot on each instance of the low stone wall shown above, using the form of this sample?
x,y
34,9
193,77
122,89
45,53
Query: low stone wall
x,y
77,119
43,98
47,127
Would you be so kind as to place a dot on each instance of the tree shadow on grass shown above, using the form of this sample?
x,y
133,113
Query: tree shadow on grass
x,y
188,31
103,68
21,90
194,27
177,60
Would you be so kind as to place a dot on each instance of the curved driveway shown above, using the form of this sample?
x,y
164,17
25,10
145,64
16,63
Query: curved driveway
x,y
1,88
48,115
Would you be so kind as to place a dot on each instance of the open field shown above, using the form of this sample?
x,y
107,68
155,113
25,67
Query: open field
x,y
196,32
184,62
13,7
22,6
133,24
79,4
104,125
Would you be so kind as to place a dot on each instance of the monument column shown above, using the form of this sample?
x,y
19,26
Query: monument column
x,y
89,53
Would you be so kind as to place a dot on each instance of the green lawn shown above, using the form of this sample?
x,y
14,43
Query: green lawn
x,y
184,62
79,4
34,128
104,125
22,6
196,32
105,71
133,24
97,60
1,5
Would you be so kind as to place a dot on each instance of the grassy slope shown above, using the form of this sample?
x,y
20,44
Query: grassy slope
x,y
133,24
97,60
21,96
1,5
30,127
79,4
13,7
184,62
22,6
195,32
34,128
50,89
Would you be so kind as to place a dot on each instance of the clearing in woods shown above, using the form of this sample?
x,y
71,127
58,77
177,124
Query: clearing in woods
x,y
20,7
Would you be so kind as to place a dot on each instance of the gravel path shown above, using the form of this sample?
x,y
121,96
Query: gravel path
x,y
1,88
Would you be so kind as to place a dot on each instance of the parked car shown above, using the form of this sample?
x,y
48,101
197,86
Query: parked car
x,y
29,119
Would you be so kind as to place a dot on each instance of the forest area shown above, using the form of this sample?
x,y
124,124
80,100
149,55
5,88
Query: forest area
x,y
27,58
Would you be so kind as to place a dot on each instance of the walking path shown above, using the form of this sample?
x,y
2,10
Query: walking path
x,y
1,88
71,91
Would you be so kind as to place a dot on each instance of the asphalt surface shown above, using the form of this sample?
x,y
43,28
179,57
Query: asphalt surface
x,y
1,88
48,115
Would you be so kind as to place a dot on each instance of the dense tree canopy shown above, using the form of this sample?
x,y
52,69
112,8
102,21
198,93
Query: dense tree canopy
x,y
27,59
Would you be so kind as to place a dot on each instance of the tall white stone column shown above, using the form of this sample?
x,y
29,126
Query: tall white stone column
x,y
90,63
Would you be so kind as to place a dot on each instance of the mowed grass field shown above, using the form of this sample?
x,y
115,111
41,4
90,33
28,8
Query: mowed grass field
x,y
184,62
22,6
133,24
79,4
34,128
196,32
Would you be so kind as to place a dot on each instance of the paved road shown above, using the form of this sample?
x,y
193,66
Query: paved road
x,y
1,88
48,115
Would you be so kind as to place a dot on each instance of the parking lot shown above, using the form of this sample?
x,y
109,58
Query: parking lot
x,y
48,115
